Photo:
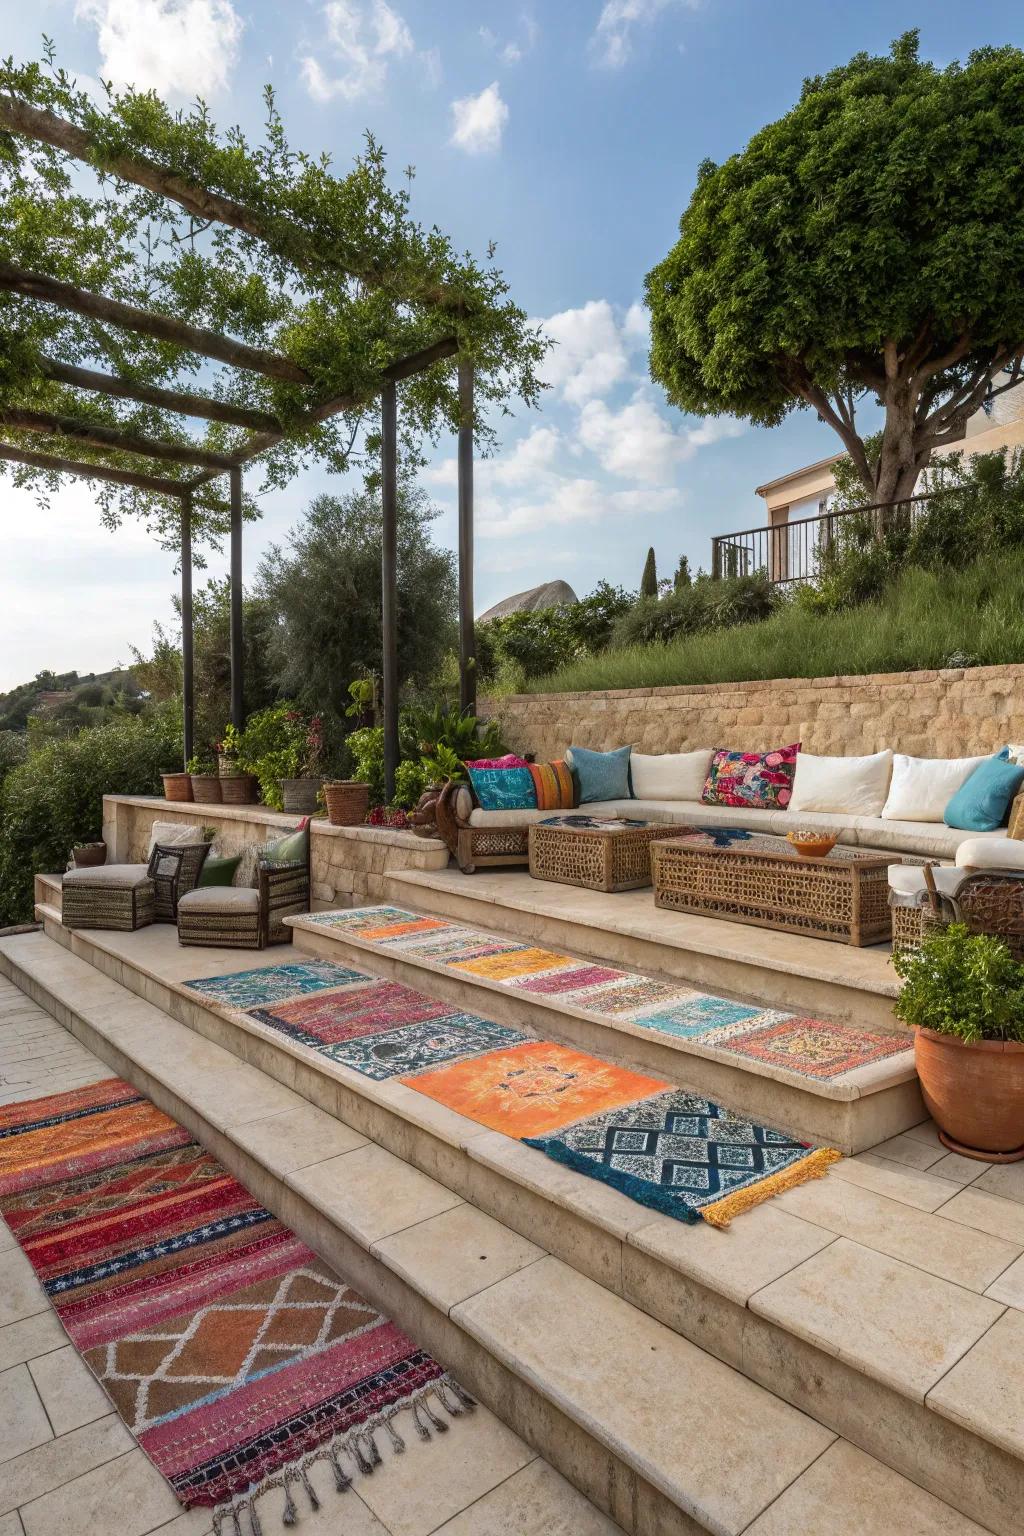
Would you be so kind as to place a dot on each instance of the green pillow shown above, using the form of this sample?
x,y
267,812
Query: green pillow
x,y
219,871
291,848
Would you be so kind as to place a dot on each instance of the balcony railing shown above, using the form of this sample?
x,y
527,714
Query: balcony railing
x,y
791,552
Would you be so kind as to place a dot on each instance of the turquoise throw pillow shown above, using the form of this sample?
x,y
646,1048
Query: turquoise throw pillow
x,y
600,775
503,789
982,804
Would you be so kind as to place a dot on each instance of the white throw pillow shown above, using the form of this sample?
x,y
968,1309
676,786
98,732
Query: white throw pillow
x,y
669,775
855,786
174,832
1016,753
922,787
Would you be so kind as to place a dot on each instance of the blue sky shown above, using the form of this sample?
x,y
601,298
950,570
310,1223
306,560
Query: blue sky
x,y
566,131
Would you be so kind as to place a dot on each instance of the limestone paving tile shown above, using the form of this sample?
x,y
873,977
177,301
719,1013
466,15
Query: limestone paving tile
x,y
126,1496
455,1255
20,1293
909,1185
975,1207
848,1493
984,1391
536,1501
297,1137
634,1385
929,1242
894,1323
70,1392
1006,1181
370,1194
1010,1286
30,1337
23,1421
957,1169
48,1466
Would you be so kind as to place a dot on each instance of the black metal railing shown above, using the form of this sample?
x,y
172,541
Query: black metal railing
x,y
791,552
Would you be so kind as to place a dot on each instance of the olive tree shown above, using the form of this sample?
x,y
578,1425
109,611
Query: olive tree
x,y
868,246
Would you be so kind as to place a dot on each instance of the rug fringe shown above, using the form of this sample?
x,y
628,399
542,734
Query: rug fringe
x,y
358,1444
815,1166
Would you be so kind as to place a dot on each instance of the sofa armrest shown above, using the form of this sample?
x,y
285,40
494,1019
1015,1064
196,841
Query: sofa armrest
x,y
1015,826
449,820
1001,853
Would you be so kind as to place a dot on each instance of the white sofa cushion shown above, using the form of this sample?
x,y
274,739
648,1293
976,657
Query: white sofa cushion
x,y
856,786
922,787
990,850
175,832
669,775
524,818
221,898
908,880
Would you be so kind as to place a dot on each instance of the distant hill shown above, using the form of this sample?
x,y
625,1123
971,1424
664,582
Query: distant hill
x,y
71,697
548,595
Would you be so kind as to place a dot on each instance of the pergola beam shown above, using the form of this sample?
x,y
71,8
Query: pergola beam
x,y
181,402
188,680
50,462
93,435
299,246
467,634
127,317
389,581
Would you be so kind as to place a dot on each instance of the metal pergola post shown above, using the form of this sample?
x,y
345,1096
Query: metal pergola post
x,y
187,647
389,580
237,643
467,637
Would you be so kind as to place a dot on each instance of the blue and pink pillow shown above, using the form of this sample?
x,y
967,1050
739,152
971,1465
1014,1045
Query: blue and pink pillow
x,y
761,781
502,783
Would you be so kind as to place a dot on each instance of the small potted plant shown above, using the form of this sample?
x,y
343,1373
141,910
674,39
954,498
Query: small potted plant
x,y
89,855
177,785
237,784
205,780
303,756
963,993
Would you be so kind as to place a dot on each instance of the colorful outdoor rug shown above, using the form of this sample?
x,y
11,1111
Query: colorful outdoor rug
x,y
236,1357
809,1047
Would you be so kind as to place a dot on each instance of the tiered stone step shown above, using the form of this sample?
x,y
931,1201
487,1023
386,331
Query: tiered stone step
x,y
886,1300
852,1111
780,970
655,1430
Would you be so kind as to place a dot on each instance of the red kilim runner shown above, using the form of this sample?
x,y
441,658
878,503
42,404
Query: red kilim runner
x,y
235,1356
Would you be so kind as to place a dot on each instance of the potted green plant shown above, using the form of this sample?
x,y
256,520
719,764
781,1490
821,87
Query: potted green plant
x,y
300,778
963,993
205,780
237,784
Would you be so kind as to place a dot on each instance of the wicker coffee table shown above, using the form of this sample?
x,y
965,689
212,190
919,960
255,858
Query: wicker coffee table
x,y
752,877
601,853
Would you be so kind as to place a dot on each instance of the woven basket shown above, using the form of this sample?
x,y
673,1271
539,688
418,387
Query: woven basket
x,y
177,786
299,797
348,802
206,788
238,789
89,855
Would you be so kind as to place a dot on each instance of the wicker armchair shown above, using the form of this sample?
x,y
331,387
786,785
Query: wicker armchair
x,y
174,869
244,916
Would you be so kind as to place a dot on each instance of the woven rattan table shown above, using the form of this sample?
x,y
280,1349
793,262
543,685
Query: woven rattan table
x,y
602,853
752,877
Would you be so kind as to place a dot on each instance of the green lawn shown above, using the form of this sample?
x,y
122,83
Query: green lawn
x,y
925,619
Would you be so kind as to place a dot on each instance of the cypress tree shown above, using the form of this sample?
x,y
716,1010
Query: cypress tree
x,y
649,579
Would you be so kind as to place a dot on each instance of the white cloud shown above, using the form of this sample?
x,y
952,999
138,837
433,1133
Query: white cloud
x,y
363,36
612,40
638,443
175,47
572,501
516,48
589,355
479,121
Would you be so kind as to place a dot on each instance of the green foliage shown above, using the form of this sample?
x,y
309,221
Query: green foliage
x,y
963,984
366,747
924,619
448,726
649,579
280,743
411,779
868,244
91,700
682,578
702,606
332,272
13,750
325,593
519,646
444,764
54,799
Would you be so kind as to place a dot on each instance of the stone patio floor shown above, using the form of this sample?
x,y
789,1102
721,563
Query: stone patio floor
x,y
68,1465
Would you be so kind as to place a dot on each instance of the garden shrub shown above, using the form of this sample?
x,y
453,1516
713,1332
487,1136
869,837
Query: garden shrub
x,y
54,799
702,606
519,646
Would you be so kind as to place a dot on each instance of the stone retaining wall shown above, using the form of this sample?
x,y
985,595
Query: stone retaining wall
x,y
950,713
349,865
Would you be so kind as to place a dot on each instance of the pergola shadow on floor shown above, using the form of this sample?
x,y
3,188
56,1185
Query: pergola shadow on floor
x,y
100,444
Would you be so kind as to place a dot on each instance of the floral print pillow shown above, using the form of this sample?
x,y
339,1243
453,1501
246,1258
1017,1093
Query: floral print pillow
x,y
762,781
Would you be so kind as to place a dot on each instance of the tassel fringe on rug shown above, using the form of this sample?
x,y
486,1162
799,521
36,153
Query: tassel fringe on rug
x,y
235,1356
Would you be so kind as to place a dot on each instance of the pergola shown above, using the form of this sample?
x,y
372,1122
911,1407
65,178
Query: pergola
x,y
164,465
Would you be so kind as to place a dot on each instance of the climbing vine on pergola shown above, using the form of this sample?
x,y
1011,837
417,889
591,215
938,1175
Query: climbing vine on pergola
x,y
177,304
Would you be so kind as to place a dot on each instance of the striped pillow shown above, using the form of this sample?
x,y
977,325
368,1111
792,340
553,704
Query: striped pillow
x,y
554,786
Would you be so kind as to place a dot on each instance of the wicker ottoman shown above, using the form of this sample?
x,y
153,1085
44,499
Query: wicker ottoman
x,y
600,853
118,896
221,916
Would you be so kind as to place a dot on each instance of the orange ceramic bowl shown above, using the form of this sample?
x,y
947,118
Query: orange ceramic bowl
x,y
812,845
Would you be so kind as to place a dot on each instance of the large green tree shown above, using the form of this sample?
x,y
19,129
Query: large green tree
x,y
868,246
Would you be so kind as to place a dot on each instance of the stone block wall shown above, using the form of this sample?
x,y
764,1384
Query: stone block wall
x,y
349,865
950,713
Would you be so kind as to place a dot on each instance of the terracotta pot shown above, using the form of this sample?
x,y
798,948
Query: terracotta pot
x,y
89,855
239,789
206,788
348,801
300,796
177,786
975,1093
